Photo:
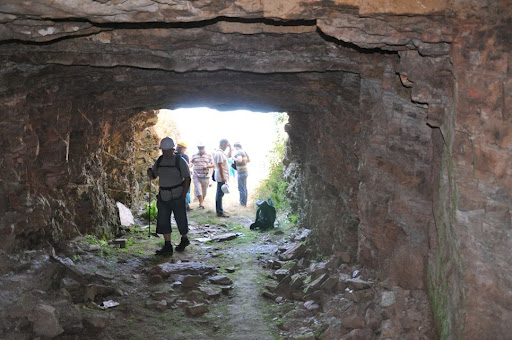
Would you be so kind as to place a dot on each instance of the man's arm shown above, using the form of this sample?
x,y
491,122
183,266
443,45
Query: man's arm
x,y
221,170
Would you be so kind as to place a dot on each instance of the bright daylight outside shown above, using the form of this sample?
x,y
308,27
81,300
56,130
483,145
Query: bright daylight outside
x,y
261,136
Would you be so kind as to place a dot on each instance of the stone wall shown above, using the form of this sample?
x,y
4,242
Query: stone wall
x,y
416,109
322,165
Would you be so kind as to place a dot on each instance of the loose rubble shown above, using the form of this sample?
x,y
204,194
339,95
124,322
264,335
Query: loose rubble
x,y
336,299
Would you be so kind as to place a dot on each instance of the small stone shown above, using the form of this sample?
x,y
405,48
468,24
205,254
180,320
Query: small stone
x,y
45,321
226,289
191,281
353,321
304,235
162,293
329,284
269,295
311,305
277,264
270,288
315,285
157,305
281,274
387,299
316,296
283,289
354,283
209,292
225,237
221,280
356,273
156,279
294,252
297,280
120,241
185,268
358,284
195,296
196,310
345,257
230,269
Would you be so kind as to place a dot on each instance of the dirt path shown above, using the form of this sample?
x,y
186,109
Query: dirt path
x,y
246,309
70,285
241,314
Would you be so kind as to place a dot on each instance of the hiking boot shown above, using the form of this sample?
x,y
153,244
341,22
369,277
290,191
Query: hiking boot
x,y
201,207
165,250
189,208
183,244
222,215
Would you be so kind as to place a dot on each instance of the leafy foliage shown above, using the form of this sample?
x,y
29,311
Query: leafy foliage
x,y
275,185
151,211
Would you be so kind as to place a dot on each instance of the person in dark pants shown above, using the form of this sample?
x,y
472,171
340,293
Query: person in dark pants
x,y
220,160
174,181
181,150
241,158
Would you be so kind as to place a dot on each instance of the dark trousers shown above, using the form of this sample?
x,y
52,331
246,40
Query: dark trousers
x,y
165,209
218,198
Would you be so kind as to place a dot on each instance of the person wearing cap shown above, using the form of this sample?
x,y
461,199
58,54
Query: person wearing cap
x,y
241,158
181,148
220,160
174,181
201,162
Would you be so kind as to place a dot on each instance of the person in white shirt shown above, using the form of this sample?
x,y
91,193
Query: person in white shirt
x,y
220,160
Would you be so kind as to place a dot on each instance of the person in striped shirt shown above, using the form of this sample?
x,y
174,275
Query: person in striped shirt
x,y
201,162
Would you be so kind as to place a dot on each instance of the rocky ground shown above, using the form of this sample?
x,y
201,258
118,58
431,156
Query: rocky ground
x,y
231,283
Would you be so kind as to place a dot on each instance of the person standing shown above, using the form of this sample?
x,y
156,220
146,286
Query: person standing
x,y
220,160
241,158
202,162
181,148
174,181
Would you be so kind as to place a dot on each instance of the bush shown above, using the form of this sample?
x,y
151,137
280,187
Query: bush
x,y
151,211
275,185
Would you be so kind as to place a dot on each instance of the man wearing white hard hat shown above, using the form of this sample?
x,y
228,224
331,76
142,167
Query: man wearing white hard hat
x,y
174,180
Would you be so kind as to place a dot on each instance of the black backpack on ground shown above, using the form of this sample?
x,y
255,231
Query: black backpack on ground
x,y
265,215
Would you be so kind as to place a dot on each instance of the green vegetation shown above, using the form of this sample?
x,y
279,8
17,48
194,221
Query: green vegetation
x,y
151,211
275,186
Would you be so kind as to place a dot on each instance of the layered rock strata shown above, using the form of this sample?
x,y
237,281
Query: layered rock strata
x,y
399,150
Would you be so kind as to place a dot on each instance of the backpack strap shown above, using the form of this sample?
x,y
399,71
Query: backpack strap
x,y
176,165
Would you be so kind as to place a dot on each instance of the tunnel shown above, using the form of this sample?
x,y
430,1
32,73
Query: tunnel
x,y
399,147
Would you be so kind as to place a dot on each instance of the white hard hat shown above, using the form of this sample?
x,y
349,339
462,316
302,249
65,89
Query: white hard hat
x,y
167,144
225,188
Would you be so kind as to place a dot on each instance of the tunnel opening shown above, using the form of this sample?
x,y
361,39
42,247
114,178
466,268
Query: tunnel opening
x,y
256,132
397,135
